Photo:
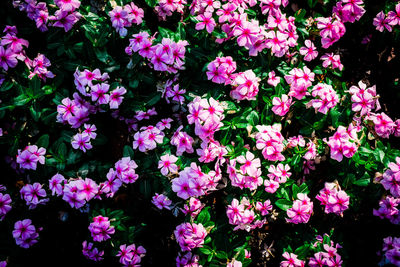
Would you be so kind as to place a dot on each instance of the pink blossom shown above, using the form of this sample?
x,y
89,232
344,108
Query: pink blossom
x,y
167,164
281,105
309,51
205,20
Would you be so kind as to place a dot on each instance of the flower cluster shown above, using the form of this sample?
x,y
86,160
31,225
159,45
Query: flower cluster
x,y
131,255
77,191
349,10
384,21
221,70
193,207
122,17
333,199
30,156
343,142
91,252
299,81
206,114
243,215
330,59
101,229
12,48
32,193
277,175
331,30
64,17
270,140
245,84
182,141
325,98
40,65
82,140
391,250
148,138
192,182
364,99
166,8
391,182
301,210
166,56
25,233
327,254
248,174
187,260
190,235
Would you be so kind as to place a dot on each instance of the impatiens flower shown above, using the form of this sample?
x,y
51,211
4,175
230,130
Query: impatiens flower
x,y
29,157
309,51
82,142
99,91
167,164
131,255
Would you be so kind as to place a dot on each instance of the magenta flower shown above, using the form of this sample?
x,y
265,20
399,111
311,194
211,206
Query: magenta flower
x,y
81,141
116,97
205,20
381,22
92,253
14,43
309,51
101,229
161,201
5,205
281,105
25,233
99,91
291,260
56,184
67,5
167,164
7,58
65,19
90,130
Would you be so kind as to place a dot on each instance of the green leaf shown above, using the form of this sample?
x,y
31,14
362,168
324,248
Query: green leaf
x,y
204,216
283,204
43,141
364,181
128,151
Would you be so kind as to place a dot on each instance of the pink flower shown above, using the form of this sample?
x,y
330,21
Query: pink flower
x,y
5,205
167,164
381,22
205,20
273,80
116,97
56,184
65,19
281,105
99,91
309,51
7,58
291,260
82,142
68,5
161,201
